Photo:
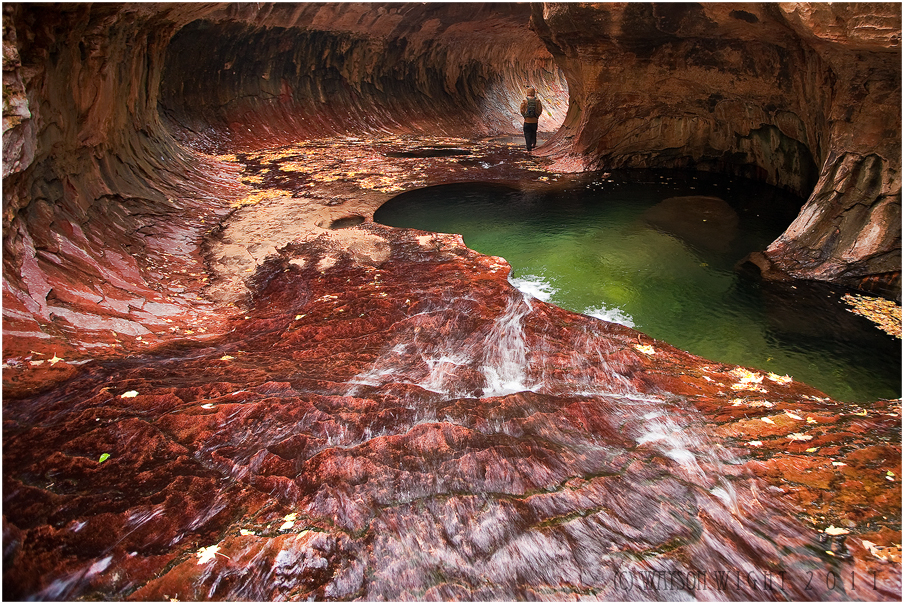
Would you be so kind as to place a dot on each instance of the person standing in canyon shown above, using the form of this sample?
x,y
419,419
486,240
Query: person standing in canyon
x,y
531,109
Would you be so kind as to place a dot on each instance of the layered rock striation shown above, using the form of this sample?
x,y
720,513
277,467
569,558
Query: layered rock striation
x,y
803,96
101,102
279,72
383,416
365,431
97,194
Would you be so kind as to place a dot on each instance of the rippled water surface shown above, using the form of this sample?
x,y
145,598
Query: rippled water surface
x,y
636,249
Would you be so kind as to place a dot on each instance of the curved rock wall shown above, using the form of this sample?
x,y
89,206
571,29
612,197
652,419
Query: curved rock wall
x,y
246,76
796,95
97,191
125,481
99,197
850,230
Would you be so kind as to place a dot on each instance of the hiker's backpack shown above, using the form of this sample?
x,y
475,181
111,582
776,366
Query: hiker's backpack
x,y
531,109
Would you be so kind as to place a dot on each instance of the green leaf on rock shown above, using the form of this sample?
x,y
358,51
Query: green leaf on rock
x,y
103,457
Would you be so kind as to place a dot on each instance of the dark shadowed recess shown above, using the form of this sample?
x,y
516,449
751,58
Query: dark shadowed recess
x,y
228,85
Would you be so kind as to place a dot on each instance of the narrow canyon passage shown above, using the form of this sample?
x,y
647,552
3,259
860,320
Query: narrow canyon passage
x,y
224,381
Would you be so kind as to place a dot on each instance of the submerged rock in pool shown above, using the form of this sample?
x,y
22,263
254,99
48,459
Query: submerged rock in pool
x,y
702,221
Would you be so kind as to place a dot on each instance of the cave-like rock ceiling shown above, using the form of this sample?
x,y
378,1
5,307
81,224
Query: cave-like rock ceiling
x,y
216,386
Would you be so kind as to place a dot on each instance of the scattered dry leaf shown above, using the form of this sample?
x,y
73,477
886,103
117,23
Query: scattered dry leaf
x,y
206,553
799,437
886,553
886,314
289,521
779,379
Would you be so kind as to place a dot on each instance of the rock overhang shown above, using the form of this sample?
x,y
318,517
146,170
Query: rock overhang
x,y
321,69
93,161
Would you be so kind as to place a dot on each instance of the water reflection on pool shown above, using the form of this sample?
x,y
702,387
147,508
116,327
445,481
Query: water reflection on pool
x,y
659,252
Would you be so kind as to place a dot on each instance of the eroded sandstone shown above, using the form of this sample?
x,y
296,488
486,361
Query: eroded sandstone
x,y
349,413
353,436
803,96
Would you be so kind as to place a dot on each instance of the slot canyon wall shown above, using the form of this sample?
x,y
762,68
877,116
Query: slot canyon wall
x,y
98,190
105,107
802,96
452,69
349,431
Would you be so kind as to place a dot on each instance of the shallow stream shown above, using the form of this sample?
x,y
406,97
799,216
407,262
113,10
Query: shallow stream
x,y
660,252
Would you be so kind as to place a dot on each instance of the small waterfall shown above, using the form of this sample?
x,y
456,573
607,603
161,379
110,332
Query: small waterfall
x,y
505,362
442,351
446,361
683,475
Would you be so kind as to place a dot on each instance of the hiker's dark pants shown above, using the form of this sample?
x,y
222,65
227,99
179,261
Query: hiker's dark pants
x,y
530,135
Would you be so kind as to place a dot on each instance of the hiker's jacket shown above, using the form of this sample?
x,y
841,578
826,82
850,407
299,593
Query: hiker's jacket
x,y
524,108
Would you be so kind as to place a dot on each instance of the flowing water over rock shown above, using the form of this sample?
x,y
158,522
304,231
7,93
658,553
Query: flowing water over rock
x,y
660,252
421,430
222,381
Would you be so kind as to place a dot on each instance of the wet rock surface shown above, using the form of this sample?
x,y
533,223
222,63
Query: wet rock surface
x,y
224,390
387,417
353,437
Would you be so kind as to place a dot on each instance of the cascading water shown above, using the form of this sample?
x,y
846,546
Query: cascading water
x,y
505,354
237,410
660,477
435,359
662,252
383,437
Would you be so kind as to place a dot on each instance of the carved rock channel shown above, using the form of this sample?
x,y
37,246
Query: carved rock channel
x,y
217,387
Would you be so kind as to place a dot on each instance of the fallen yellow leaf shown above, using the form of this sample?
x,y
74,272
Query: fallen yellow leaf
x,y
779,379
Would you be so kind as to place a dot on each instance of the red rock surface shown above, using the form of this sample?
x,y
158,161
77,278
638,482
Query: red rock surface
x,y
368,403
212,390
804,96
449,69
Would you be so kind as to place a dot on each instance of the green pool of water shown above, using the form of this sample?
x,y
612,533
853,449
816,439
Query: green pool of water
x,y
659,252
